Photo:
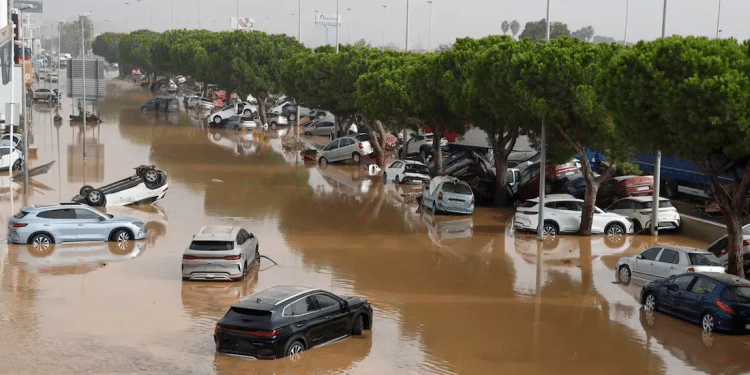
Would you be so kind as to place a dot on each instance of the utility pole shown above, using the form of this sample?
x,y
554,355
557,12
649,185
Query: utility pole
x,y
540,232
83,68
406,45
337,28
429,28
657,161
718,18
627,9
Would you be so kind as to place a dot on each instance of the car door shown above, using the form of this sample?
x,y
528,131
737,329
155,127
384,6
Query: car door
x,y
330,150
665,265
393,169
694,300
644,264
335,323
90,226
346,150
675,294
309,320
61,224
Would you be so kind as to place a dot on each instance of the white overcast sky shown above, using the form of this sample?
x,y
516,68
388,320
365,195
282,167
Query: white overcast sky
x,y
450,18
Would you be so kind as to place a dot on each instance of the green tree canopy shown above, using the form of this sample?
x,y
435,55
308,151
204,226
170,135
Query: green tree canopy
x,y
537,31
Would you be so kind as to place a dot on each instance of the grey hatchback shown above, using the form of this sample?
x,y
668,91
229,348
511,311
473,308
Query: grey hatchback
x,y
71,222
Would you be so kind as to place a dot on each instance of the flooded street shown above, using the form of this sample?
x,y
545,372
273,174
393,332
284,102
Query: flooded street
x,y
451,295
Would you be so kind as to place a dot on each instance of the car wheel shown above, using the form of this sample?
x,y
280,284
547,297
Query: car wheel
x,y
670,189
247,112
95,197
549,229
708,322
356,158
122,235
623,275
274,125
357,326
650,303
308,134
294,349
614,229
323,162
85,190
41,240
216,136
151,176
292,116
17,164
217,120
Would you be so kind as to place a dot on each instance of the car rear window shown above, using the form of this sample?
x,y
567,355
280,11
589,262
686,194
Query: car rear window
x,y
362,137
703,259
452,187
528,204
649,204
416,168
212,245
737,293
20,214
248,315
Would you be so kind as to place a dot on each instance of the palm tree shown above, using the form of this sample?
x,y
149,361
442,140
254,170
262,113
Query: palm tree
x,y
514,27
505,26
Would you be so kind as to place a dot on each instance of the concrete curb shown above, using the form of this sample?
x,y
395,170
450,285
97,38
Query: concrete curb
x,y
701,229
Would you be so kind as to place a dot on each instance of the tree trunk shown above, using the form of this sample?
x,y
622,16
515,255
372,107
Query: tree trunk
x,y
592,188
373,128
437,152
262,109
500,153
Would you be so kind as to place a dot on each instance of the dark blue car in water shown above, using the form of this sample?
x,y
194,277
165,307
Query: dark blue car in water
x,y
716,301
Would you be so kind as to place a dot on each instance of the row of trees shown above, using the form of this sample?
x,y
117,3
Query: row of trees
x,y
684,96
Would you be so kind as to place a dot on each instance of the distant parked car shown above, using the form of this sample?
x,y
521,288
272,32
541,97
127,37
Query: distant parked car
x,y
147,186
71,222
639,210
48,95
286,320
716,301
407,172
274,121
663,261
624,186
448,194
10,158
5,140
220,253
161,104
420,144
719,248
562,214
352,147
323,126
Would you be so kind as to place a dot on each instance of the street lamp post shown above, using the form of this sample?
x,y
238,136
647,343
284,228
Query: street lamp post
x,y
657,161
337,28
540,232
385,8
299,39
126,17
238,14
406,44
429,28
349,29
627,9
83,68
718,18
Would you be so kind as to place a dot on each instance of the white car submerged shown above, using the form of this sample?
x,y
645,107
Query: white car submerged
x,y
562,214
663,261
147,186
639,210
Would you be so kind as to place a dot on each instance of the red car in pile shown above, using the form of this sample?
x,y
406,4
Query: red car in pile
x,y
624,186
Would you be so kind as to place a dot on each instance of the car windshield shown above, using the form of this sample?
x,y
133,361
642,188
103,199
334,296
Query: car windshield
x,y
362,137
212,245
457,188
662,204
703,259
416,168
737,293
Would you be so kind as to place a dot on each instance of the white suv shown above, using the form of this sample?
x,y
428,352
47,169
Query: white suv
x,y
236,109
220,253
421,144
562,214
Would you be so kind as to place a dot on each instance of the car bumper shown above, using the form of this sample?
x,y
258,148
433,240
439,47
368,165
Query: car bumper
x,y
217,270
455,209
232,342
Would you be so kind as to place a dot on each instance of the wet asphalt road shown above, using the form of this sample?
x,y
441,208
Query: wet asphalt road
x,y
452,295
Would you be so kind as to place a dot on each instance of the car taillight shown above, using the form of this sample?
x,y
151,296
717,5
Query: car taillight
x,y
232,257
691,269
528,212
472,200
724,307
440,196
19,225
189,257
360,145
745,242
266,334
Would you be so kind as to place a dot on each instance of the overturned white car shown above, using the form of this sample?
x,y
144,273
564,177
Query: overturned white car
x,y
146,187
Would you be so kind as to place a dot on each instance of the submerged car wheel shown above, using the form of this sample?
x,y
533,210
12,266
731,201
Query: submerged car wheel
x,y
323,162
294,349
358,326
615,229
623,275
17,164
356,158
549,229
308,134
292,116
41,240
708,322
95,197
274,125
122,235
650,302
217,120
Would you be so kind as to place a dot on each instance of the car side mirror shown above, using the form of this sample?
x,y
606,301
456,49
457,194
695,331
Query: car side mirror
x,y
639,256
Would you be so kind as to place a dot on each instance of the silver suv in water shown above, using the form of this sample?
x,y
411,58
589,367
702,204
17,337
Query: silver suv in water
x,y
220,253
71,222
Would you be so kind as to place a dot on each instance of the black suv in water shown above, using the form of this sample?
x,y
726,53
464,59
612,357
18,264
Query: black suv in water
x,y
285,320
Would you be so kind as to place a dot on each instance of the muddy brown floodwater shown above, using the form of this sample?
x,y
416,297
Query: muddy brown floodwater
x,y
452,295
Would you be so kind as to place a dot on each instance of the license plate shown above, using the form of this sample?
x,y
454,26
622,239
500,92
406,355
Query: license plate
x,y
642,188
